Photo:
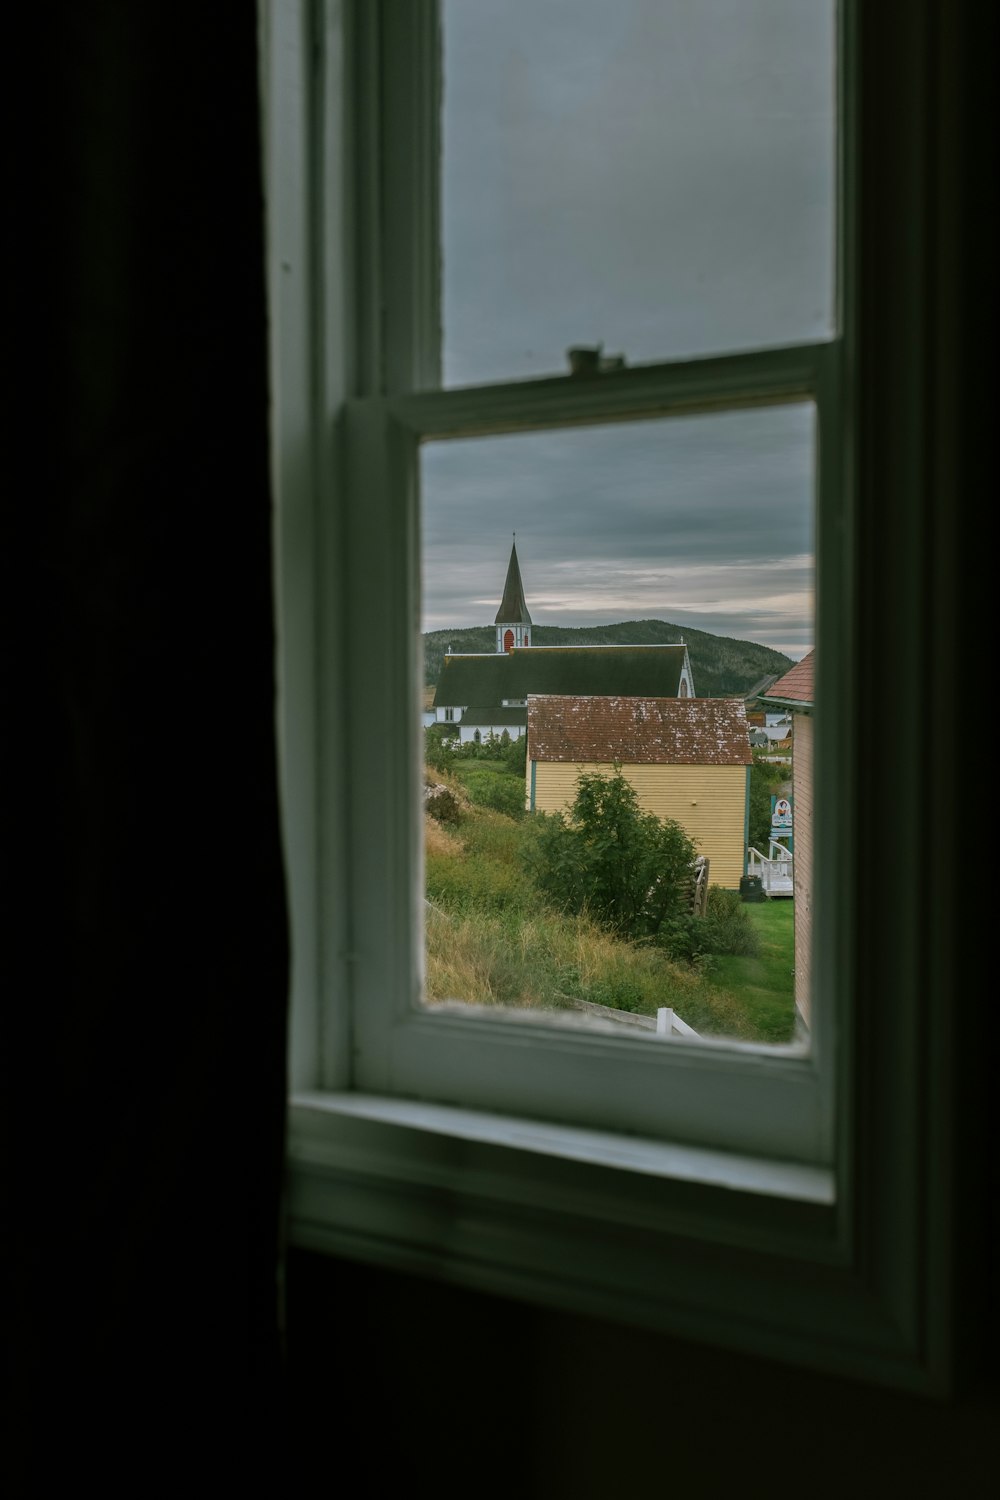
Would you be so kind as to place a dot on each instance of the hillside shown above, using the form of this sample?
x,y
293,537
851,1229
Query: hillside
x,y
723,667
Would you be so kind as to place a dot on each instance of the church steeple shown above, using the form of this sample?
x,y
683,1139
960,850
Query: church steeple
x,y
513,622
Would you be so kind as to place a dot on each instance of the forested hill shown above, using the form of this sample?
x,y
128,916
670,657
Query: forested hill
x,y
722,667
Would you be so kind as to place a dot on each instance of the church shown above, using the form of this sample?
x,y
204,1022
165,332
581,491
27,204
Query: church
x,y
486,693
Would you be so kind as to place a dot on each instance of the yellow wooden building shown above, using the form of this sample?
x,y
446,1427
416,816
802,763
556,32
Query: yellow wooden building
x,y
688,759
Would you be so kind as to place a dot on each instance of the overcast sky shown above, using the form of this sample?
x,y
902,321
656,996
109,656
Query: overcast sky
x,y
654,176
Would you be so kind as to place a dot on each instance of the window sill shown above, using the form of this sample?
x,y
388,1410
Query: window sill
x,y
664,1160
743,1253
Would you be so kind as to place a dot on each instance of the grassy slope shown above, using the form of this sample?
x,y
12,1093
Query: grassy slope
x,y
491,942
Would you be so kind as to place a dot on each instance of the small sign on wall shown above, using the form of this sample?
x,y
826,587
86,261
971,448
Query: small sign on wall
x,y
781,816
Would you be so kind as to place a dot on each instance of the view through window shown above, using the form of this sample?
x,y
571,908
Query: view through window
x,y
608,791
619,619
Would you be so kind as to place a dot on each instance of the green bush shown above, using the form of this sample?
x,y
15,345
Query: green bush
x,y
728,927
515,755
494,789
439,743
628,870
490,747
684,937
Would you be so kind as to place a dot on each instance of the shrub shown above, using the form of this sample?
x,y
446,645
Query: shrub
x,y
515,755
439,745
683,936
495,789
490,747
626,868
728,926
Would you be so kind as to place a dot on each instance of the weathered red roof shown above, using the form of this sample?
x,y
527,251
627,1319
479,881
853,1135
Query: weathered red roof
x,y
796,686
638,731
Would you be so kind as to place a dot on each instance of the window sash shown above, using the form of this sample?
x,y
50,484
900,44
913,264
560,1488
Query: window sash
x,y
759,1099
754,1099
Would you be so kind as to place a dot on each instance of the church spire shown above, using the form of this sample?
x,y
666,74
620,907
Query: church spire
x,y
513,622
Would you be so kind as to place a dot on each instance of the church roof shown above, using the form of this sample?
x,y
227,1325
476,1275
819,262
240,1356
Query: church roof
x,y
492,714
635,671
639,731
513,610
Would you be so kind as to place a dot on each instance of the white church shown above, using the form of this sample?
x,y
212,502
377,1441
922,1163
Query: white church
x,y
485,693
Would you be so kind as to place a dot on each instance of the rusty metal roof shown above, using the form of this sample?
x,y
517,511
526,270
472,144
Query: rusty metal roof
x,y
796,686
639,731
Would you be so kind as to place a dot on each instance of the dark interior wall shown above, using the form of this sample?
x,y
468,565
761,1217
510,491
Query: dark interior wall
x,y
146,943
494,1398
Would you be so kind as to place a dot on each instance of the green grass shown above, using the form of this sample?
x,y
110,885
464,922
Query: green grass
x,y
766,983
491,940
461,768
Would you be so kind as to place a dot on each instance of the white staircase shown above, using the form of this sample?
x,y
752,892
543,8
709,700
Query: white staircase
x,y
774,870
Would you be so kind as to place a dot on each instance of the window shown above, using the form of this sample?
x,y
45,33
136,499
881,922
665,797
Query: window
x,y
762,1202
705,519
530,1067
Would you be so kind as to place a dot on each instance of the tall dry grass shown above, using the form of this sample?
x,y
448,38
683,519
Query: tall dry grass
x,y
490,940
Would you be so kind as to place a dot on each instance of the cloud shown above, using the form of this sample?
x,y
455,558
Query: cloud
x,y
656,175
705,520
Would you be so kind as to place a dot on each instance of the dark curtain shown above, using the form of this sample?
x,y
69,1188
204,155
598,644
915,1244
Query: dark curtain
x,y
146,947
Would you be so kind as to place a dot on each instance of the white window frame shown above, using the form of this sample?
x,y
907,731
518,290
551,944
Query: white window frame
x,y
781,1205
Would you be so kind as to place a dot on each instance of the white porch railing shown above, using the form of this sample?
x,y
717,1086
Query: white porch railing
x,y
669,1024
774,870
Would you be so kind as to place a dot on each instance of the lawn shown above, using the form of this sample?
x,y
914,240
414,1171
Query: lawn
x,y
765,984
491,940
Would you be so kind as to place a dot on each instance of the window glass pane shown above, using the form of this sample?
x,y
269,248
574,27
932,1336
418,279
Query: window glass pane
x,y
611,602
654,177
